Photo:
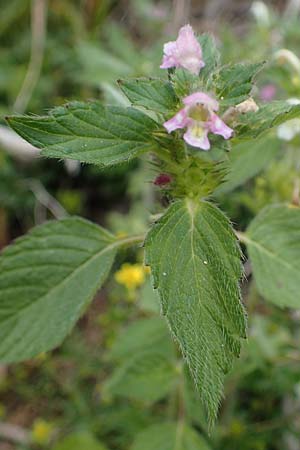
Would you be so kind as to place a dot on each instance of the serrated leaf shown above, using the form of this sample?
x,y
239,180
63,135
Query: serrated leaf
x,y
233,83
194,410
148,377
210,55
184,82
253,124
273,242
143,335
247,159
195,263
46,280
89,132
154,94
169,436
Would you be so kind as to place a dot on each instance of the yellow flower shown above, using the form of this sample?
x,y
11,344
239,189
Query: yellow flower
x,y
237,428
41,431
130,275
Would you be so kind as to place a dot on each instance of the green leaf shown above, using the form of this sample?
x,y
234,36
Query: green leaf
x,y
154,94
194,411
195,263
98,65
184,82
148,377
89,132
170,436
247,159
149,301
233,83
143,335
148,362
268,342
253,124
79,441
210,54
273,242
46,280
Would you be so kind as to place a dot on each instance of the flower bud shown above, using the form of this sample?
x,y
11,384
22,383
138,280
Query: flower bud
x,y
162,179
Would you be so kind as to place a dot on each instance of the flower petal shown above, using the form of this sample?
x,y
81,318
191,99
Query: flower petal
x,y
170,48
192,64
217,126
170,55
267,92
187,41
189,50
197,137
184,52
180,120
204,99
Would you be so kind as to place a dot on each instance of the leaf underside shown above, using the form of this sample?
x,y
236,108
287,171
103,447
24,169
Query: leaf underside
x,y
195,263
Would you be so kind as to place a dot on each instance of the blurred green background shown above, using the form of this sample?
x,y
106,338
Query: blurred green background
x,y
118,381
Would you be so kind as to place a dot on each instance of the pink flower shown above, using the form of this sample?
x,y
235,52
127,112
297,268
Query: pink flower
x,y
199,118
185,52
267,92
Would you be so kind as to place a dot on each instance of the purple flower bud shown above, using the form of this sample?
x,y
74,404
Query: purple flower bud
x,y
162,179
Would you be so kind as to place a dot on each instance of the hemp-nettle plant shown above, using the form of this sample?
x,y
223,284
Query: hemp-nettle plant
x,y
191,124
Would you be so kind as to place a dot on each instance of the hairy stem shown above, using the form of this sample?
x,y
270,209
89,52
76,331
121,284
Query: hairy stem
x,y
165,156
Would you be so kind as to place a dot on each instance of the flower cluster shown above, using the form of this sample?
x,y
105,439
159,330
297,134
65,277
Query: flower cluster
x,y
198,115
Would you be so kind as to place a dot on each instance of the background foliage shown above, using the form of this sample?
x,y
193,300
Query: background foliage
x,y
118,382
